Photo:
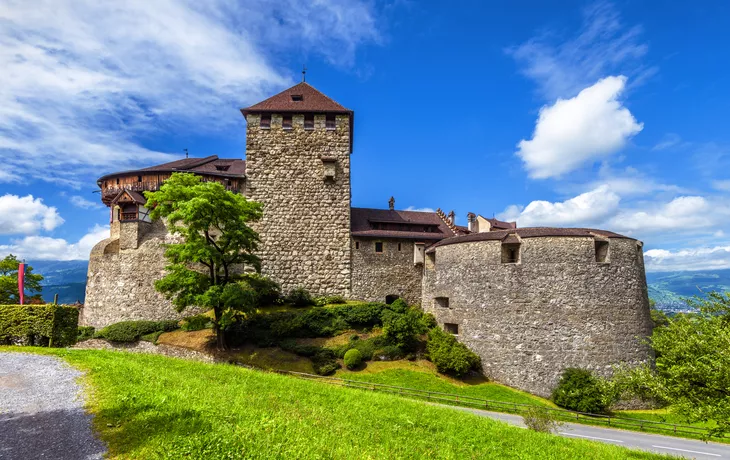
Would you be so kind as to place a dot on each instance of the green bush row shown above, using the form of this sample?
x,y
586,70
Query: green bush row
x,y
132,331
85,333
45,325
580,390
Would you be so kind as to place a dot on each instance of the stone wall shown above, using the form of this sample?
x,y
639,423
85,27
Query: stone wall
x,y
120,281
555,309
392,272
305,230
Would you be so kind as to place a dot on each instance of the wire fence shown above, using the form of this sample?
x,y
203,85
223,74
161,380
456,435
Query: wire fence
x,y
515,408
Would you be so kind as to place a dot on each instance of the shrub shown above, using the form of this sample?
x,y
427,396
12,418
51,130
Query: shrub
x,y
450,356
403,330
268,291
48,325
131,331
152,338
581,391
195,323
334,299
353,358
399,305
389,353
361,315
301,350
540,419
324,362
300,297
365,347
85,333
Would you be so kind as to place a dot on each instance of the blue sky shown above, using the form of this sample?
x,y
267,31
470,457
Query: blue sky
x,y
598,114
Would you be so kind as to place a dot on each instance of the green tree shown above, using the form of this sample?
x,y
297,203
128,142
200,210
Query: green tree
x,y
658,317
9,282
692,372
216,243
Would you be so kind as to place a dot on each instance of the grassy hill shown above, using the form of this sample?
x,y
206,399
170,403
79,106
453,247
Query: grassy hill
x,y
150,406
669,288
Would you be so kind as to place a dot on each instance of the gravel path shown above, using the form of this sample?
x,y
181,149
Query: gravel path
x,y
42,410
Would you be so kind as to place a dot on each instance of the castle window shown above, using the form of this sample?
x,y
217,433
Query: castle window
x,y
330,121
510,253
265,121
357,245
286,122
399,247
601,251
378,246
309,121
297,98
451,328
441,302
389,299
117,181
139,178
222,167
228,182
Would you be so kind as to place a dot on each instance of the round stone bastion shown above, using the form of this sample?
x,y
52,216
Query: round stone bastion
x,y
532,302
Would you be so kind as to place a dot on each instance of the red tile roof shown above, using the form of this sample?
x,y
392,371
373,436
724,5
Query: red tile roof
x,y
212,166
500,224
311,101
362,220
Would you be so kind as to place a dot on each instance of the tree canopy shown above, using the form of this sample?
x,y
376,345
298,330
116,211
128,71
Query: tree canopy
x,y
216,243
9,294
692,371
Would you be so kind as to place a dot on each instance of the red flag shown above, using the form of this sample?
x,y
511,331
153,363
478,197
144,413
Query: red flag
x,y
21,282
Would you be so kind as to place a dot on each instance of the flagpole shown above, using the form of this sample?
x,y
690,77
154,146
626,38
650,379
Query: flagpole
x,y
21,282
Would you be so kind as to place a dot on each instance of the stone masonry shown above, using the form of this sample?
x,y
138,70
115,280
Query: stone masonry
x,y
556,308
375,276
306,225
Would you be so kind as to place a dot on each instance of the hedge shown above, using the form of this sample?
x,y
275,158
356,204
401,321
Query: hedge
x,y
46,325
132,331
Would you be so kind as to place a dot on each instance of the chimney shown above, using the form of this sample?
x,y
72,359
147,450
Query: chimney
x,y
471,218
452,217
391,203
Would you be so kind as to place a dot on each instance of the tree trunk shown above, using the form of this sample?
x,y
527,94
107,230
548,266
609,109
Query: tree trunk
x,y
220,337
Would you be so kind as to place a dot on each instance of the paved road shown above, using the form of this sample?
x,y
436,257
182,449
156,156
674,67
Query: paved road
x,y
688,448
42,411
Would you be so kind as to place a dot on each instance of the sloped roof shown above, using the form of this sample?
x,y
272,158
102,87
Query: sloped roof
x,y
530,232
135,197
312,100
361,220
211,165
500,224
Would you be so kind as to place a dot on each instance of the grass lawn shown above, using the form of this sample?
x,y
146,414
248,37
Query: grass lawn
x,y
150,406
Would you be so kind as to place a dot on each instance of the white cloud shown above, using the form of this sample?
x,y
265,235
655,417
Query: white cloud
x,y
82,80
704,258
573,132
81,202
670,140
47,248
604,45
680,214
721,185
26,215
413,208
586,209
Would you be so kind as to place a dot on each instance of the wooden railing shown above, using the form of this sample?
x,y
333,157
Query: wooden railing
x,y
128,216
502,406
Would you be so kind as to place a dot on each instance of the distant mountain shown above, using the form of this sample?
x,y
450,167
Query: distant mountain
x,y
669,288
67,278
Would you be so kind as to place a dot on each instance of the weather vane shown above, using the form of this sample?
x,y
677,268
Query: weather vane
x,y
304,72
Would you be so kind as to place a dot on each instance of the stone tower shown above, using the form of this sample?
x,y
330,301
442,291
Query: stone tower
x,y
298,146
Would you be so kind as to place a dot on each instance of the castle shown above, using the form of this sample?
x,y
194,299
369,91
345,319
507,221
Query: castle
x,y
529,301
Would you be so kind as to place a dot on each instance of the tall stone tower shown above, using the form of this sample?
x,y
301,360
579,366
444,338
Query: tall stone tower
x,y
298,146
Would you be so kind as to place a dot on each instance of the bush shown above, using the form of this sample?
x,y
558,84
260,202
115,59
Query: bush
x,y
361,315
334,299
131,331
196,323
268,291
300,297
389,353
47,325
399,305
540,419
581,391
353,358
301,350
85,333
450,356
403,330
324,362
152,338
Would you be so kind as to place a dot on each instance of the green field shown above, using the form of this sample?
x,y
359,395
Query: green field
x,y
150,406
